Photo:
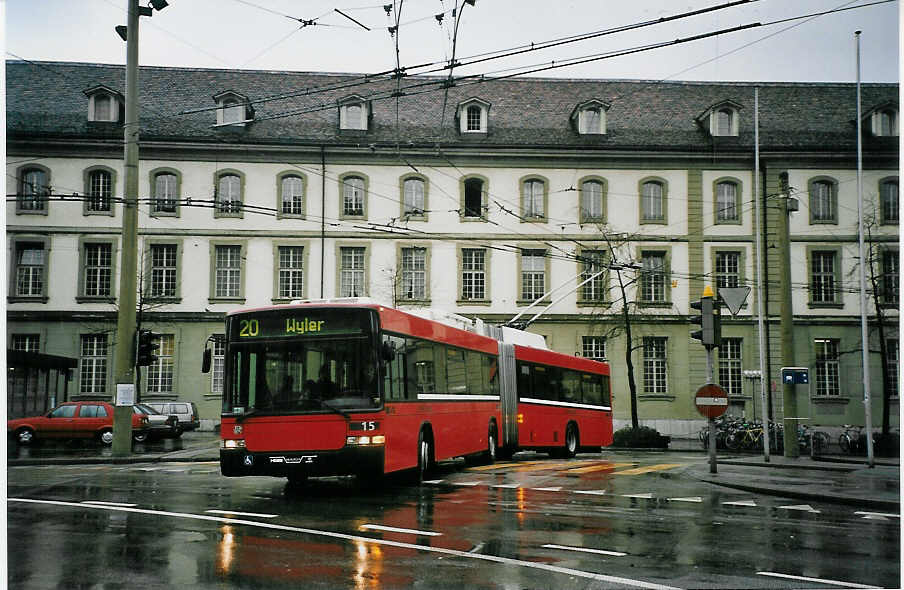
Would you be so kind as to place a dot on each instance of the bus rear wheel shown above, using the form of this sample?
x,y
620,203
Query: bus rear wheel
x,y
424,457
571,441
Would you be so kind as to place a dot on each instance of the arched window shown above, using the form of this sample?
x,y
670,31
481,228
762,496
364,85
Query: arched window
x,y
166,193
888,201
229,194
474,122
592,200
823,202
413,197
33,190
473,205
532,193
100,191
651,205
292,193
353,196
727,209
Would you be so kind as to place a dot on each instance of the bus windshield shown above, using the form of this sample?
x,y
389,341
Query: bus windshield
x,y
301,373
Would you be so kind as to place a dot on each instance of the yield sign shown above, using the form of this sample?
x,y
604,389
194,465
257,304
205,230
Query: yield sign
x,y
734,297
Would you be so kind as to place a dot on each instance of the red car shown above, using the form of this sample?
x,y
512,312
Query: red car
x,y
73,420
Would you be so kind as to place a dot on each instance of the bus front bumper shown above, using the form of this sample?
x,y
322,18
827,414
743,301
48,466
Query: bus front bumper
x,y
349,460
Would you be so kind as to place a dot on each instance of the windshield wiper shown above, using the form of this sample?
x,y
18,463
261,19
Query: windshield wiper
x,y
333,408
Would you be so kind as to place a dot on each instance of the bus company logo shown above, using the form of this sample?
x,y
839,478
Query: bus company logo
x,y
237,429
294,460
303,325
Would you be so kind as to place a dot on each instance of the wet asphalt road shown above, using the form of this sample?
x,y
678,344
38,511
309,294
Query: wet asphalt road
x,y
599,521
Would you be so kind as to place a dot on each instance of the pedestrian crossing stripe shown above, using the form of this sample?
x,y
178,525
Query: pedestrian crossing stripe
x,y
647,496
649,469
601,467
697,499
504,465
543,466
740,503
801,507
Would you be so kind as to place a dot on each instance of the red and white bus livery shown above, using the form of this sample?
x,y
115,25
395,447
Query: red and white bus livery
x,y
351,387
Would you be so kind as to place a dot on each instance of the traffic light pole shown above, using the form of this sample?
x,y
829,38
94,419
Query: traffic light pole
x,y
124,360
710,378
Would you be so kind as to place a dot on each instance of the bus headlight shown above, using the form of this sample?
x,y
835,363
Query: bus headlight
x,y
237,443
365,440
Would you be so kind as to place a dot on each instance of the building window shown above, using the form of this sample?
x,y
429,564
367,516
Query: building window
x,y
473,274
93,364
228,271
353,116
164,270
414,197
474,192
229,195
30,269
730,365
291,272
893,354
232,111
888,202
885,123
353,196
891,273
724,122
533,193
474,118
823,277
414,274
591,121
652,202
593,347
98,270
160,372
823,202
728,209
34,191
593,262
351,272
291,195
533,274
26,342
655,363
219,361
166,193
727,270
827,368
100,192
653,277
592,201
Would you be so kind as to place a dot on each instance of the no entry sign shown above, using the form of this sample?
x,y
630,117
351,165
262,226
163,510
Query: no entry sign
x,y
711,400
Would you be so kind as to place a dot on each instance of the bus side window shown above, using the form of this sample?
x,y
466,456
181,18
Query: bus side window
x,y
456,371
477,379
542,388
591,388
490,373
439,368
524,383
607,394
394,374
571,387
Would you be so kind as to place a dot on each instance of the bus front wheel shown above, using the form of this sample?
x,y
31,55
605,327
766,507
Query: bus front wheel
x,y
571,441
424,456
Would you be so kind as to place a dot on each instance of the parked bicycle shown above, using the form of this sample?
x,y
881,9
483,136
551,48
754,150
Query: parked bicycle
x,y
853,440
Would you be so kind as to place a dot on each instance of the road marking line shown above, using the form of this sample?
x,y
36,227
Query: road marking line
x,y
592,492
585,550
379,527
108,503
230,512
649,469
688,499
434,482
506,485
740,503
801,507
493,466
647,496
878,514
540,466
553,489
468,484
821,581
602,467
357,538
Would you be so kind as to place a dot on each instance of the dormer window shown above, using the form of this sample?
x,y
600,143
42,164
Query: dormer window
x,y
589,118
722,119
883,120
233,109
103,104
354,113
472,116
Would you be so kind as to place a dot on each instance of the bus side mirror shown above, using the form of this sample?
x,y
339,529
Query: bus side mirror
x,y
205,360
387,353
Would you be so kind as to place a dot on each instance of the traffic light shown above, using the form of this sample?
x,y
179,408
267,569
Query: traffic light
x,y
709,320
148,343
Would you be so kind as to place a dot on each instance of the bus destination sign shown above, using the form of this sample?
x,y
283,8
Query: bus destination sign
x,y
287,325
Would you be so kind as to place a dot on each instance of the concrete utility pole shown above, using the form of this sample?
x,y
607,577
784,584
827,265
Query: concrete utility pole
x,y
124,367
789,405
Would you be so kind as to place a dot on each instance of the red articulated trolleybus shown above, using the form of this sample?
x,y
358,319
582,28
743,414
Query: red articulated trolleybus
x,y
349,386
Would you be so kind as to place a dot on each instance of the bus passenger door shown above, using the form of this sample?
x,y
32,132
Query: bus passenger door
x,y
508,393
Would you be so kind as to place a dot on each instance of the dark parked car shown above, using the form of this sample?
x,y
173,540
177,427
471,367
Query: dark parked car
x,y
72,420
186,411
159,425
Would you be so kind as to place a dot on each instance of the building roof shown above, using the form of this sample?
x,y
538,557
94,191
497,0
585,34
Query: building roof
x,y
47,99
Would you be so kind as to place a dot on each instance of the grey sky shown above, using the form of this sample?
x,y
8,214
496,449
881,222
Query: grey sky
x,y
258,34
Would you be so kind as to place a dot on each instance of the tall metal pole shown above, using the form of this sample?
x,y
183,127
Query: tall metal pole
x,y
864,324
710,378
124,361
760,302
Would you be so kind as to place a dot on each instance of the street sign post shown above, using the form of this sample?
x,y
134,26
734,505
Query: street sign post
x,y
711,401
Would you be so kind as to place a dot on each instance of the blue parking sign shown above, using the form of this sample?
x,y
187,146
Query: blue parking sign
x,y
795,375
